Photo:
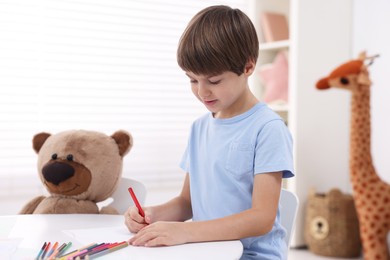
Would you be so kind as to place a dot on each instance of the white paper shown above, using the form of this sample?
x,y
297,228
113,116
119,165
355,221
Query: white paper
x,y
99,235
8,247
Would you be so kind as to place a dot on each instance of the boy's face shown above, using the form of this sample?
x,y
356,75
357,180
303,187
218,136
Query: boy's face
x,y
225,95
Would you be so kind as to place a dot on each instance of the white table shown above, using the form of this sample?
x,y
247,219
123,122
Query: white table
x,y
22,236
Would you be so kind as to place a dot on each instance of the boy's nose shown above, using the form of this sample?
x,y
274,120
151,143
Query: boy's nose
x,y
203,91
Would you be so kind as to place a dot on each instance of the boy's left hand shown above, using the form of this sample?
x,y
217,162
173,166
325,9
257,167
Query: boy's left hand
x,y
161,234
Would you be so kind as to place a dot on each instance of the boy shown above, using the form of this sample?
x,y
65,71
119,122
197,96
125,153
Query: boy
x,y
237,154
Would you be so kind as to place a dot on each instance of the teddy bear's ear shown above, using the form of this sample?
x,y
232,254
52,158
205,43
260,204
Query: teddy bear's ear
x,y
39,140
335,195
124,141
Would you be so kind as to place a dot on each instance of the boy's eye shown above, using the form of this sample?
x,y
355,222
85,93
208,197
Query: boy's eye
x,y
215,82
193,81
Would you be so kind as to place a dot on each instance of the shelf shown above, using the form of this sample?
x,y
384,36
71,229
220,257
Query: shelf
x,y
310,54
274,46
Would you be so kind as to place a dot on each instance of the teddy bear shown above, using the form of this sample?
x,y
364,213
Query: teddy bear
x,y
332,225
78,168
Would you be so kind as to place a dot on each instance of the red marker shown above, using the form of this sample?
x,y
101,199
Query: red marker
x,y
141,212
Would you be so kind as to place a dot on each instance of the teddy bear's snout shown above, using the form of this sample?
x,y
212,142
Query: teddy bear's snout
x,y
57,172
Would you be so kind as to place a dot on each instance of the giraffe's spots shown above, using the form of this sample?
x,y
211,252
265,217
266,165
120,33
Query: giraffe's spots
x,y
358,191
374,180
363,230
361,204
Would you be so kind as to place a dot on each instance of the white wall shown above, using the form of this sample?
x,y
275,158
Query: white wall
x,y
371,33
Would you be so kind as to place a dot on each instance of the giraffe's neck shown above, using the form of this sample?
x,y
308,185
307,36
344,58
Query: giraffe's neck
x,y
362,169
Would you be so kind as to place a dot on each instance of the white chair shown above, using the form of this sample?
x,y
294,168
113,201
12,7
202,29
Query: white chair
x,y
121,197
289,204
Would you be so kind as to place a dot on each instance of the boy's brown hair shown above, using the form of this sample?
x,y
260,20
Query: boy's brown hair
x,y
218,39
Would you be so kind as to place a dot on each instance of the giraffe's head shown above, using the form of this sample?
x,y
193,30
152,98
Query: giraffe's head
x,y
352,75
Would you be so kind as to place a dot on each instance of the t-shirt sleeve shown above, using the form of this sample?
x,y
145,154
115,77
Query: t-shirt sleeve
x,y
274,149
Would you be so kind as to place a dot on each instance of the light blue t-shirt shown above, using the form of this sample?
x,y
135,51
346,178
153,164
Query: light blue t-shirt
x,y
222,157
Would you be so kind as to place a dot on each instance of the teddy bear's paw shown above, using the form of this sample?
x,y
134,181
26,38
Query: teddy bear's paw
x,y
32,205
109,210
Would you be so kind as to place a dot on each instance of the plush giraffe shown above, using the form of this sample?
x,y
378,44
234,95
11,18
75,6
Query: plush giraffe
x,y
371,194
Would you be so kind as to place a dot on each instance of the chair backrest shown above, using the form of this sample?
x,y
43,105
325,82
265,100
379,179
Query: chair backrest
x,y
121,197
289,204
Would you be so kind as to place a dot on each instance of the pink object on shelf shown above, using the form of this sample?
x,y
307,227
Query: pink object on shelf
x,y
275,78
275,27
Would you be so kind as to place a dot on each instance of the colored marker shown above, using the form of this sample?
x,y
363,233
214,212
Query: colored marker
x,y
61,247
45,251
41,251
140,210
62,251
57,251
52,250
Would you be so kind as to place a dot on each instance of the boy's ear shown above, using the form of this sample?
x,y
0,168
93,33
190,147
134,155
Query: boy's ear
x,y
249,67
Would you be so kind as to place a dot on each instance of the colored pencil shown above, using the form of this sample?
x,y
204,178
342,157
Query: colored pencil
x,y
98,248
136,202
108,250
78,254
88,246
94,246
62,257
70,255
41,251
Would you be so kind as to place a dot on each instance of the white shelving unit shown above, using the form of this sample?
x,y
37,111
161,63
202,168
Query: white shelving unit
x,y
319,39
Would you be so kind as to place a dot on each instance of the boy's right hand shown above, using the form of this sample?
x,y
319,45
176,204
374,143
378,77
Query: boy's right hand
x,y
134,221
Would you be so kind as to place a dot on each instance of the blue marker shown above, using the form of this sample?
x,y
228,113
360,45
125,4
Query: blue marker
x,y
41,251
